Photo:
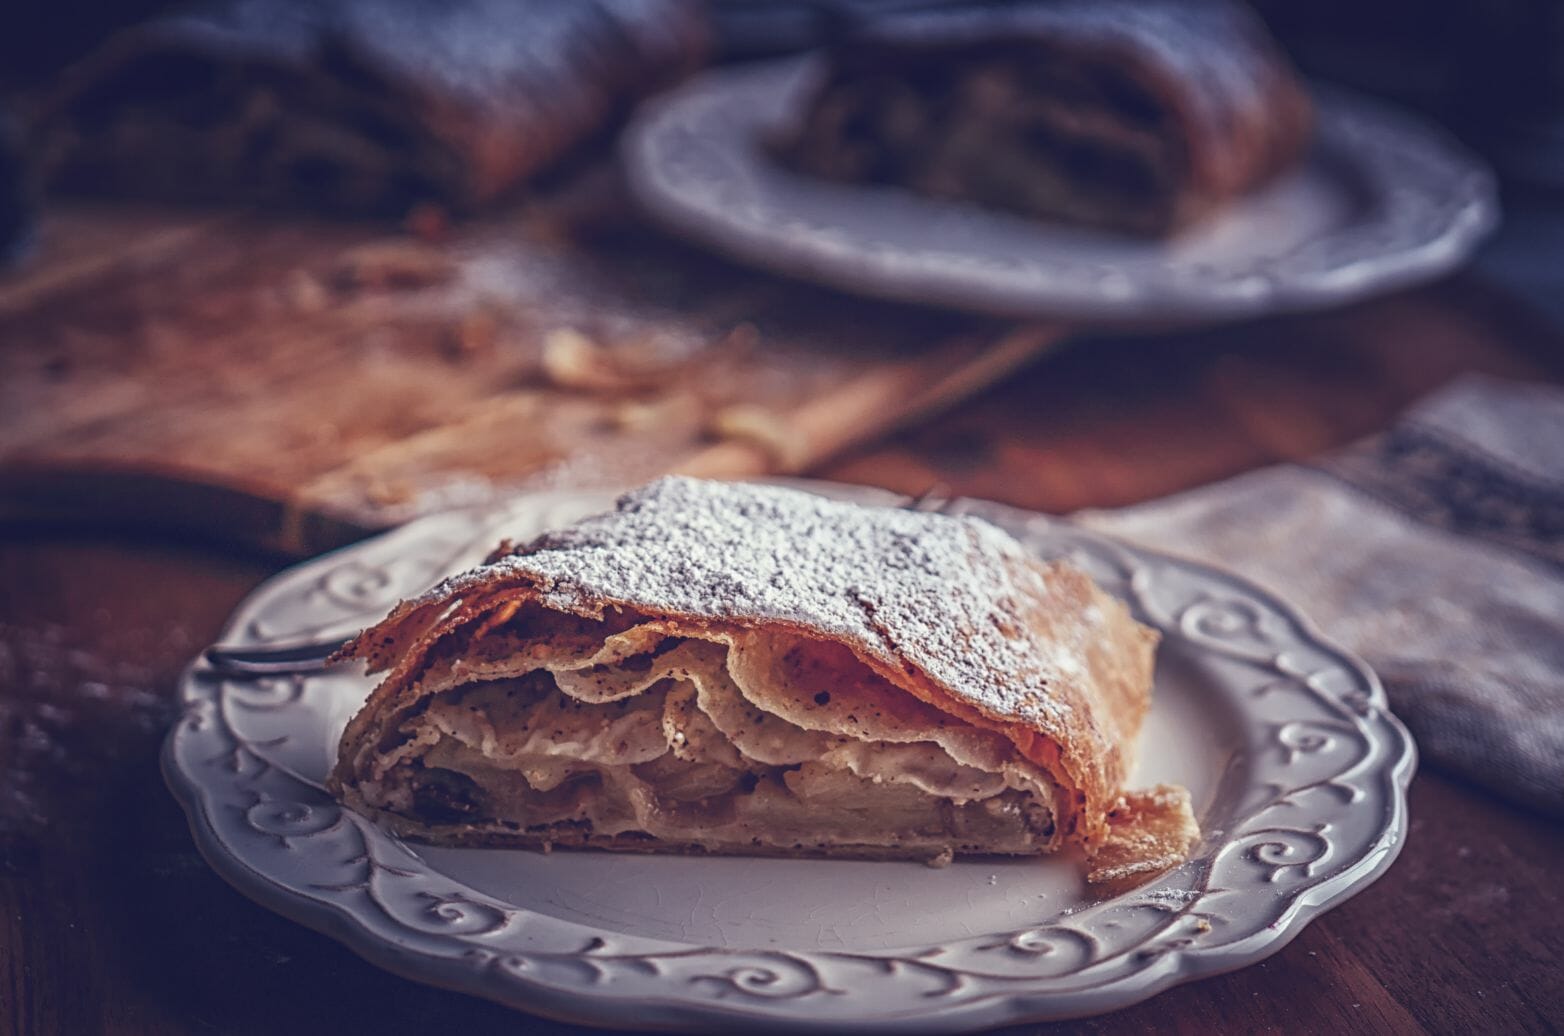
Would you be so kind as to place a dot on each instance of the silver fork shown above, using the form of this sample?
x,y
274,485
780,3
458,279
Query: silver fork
x,y
309,656
313,656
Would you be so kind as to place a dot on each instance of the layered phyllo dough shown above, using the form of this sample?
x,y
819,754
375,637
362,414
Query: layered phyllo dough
x,y
743,669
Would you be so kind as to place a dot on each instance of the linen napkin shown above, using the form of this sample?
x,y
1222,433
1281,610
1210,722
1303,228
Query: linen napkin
x,y
1435,551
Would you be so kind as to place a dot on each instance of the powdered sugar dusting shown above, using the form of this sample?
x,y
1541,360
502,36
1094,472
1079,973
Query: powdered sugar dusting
x,y
941,592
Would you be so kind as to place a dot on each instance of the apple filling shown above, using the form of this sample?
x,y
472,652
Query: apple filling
x,y
738,743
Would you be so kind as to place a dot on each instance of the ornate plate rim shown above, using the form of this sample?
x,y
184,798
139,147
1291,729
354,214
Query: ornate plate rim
x,y
1160,963
1442,204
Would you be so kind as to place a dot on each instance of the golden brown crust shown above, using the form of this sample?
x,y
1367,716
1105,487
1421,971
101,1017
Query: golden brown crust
x,y
1077,725
566,838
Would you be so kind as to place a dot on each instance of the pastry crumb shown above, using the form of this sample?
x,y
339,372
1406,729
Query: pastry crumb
x,y
428,221
745,422
473,335
304,292
573,360
393,264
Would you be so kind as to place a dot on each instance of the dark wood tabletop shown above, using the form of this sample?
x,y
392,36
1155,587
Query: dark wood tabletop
x,y
111,922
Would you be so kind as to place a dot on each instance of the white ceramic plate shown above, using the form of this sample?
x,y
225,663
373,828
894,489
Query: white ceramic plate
x,y
1383,200
1298,772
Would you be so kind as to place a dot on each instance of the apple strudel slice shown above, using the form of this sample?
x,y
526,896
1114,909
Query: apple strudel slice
x,y
1132,115
356,106
732,668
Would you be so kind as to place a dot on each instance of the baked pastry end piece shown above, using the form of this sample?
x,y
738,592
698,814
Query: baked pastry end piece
x,y
755,670
1149,832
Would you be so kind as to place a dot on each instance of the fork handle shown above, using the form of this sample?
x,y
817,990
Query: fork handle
x,y
287,659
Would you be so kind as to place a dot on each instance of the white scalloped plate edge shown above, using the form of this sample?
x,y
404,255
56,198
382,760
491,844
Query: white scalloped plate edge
x,y
443,937
694,163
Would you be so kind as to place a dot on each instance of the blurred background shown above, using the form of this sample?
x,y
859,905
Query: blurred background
x,y
445,216
277,275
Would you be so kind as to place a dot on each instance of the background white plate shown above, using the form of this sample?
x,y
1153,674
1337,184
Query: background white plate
x,y
1298,772
1383,200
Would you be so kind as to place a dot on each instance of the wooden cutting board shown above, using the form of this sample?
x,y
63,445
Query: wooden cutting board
x,y
297,384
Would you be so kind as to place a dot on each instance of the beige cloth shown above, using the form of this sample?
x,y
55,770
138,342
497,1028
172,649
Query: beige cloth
x,y
1434,550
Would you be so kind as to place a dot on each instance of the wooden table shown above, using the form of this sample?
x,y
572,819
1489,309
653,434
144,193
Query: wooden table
x,y
110,921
